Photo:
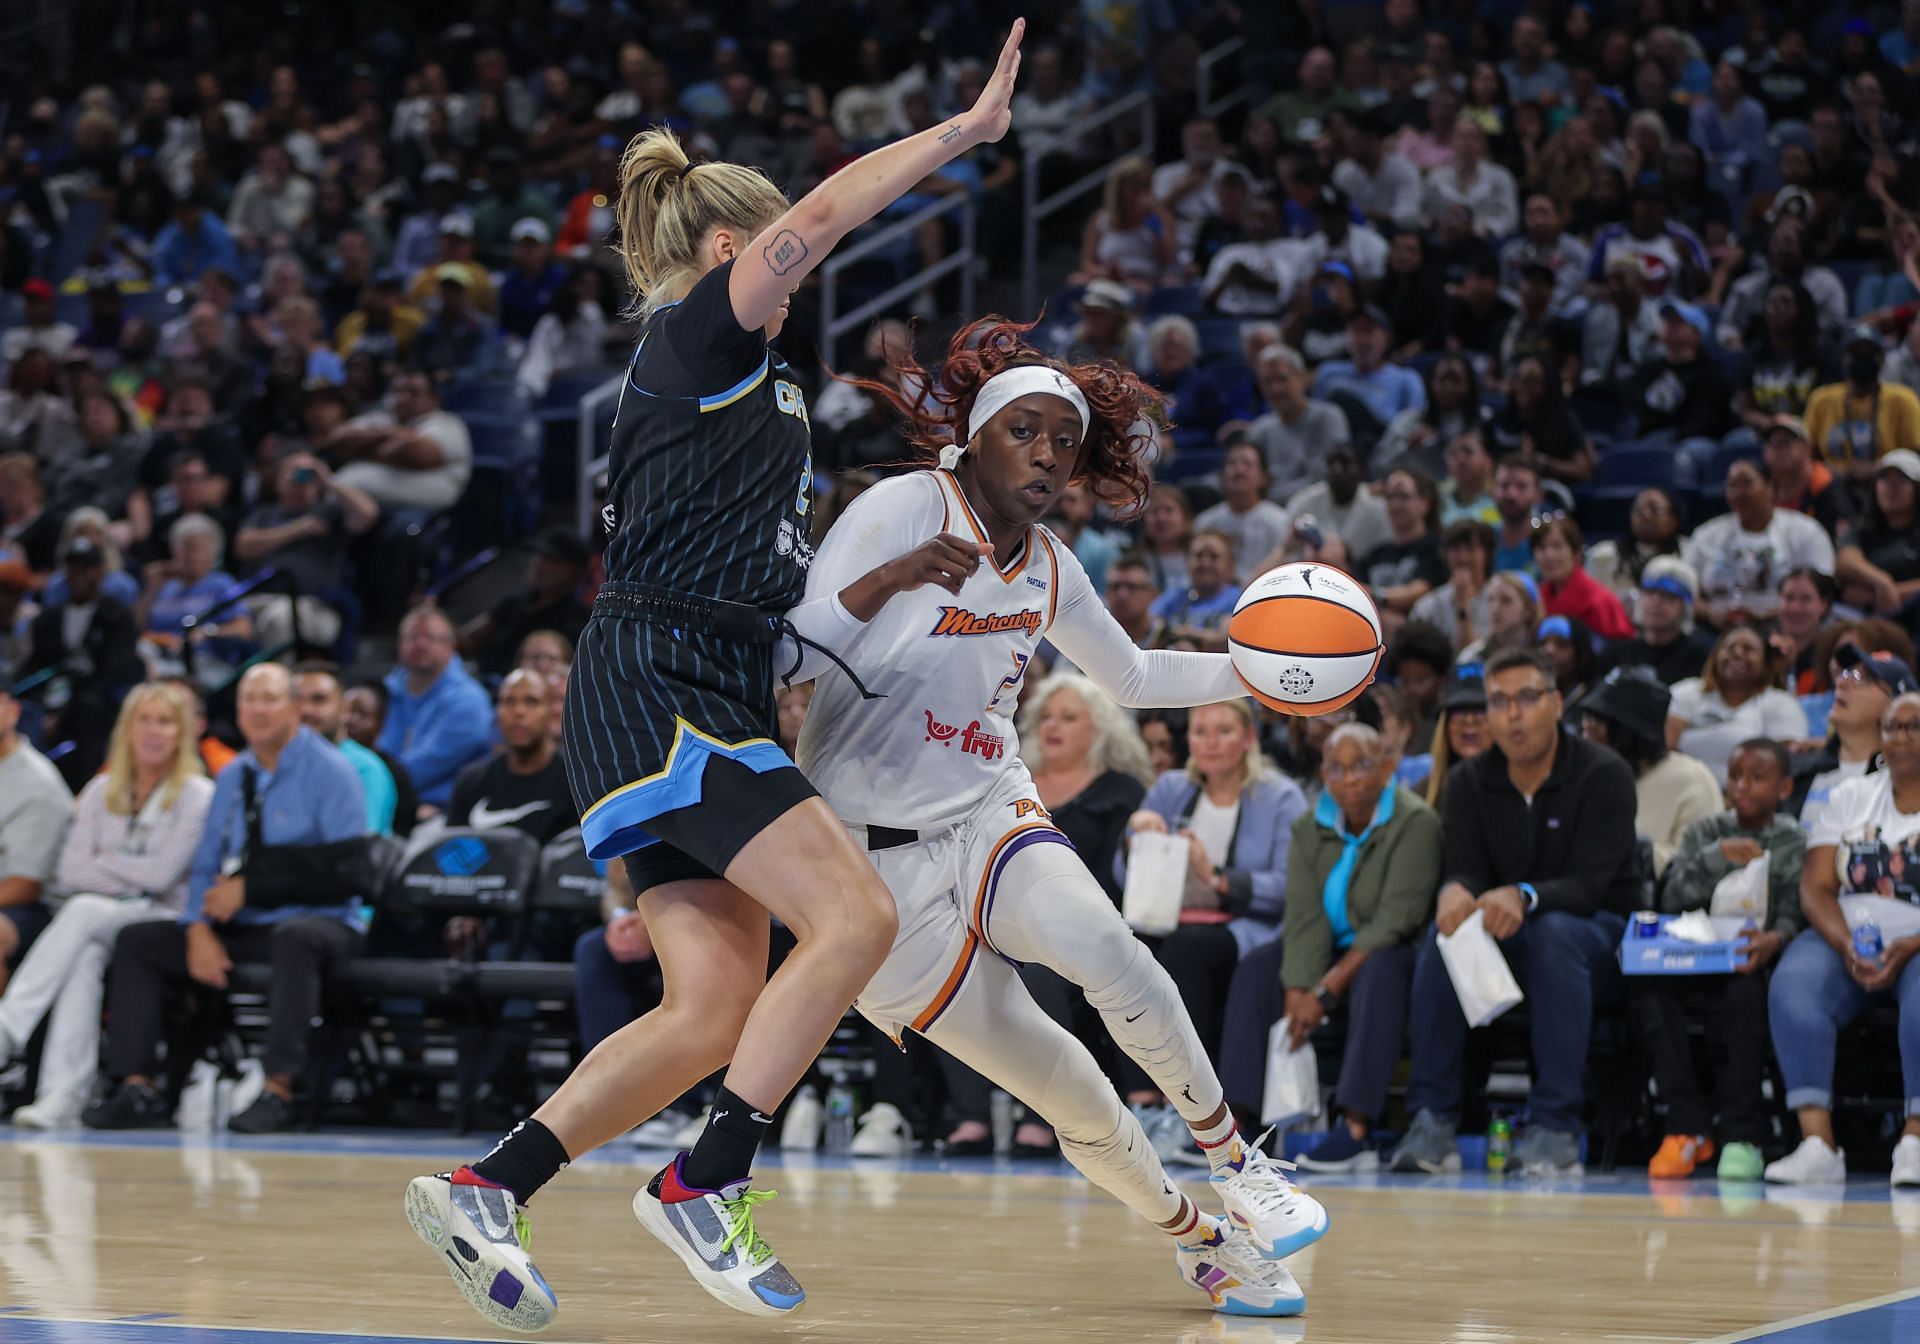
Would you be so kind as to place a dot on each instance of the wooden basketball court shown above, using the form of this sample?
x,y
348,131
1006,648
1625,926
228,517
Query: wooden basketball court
x,y
156,1239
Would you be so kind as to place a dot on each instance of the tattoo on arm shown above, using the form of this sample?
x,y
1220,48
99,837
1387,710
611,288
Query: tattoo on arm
x,y
785,252
951,134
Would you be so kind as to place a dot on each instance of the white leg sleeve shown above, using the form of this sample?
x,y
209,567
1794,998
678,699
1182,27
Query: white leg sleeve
x,y
994,1027
1047,908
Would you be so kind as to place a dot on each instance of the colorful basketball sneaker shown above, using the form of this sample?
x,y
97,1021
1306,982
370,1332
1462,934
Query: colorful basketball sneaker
x,y
481,1234
713,1234
1238,1279
1281,1217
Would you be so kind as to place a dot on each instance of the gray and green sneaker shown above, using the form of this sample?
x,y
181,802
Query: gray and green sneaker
x,y
712,1232
479,1233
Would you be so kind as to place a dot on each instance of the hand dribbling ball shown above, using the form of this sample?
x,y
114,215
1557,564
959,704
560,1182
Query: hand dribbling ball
x,y
1305,639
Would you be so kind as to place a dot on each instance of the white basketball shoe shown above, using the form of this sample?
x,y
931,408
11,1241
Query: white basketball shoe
x,y
1280,1216
481,1235
712,1232
1238,1279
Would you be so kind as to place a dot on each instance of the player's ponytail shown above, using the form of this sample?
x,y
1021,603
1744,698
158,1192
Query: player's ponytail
x,y
669,204
1123,408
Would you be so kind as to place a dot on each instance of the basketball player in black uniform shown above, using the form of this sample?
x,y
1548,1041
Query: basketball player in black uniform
x,y
670,739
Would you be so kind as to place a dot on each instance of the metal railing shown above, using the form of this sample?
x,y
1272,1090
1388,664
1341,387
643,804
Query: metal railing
x,y
1036,210
834,324
589,458
1209,103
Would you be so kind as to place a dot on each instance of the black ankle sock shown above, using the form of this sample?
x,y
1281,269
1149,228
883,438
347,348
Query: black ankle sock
x,y
727,1145
524,1161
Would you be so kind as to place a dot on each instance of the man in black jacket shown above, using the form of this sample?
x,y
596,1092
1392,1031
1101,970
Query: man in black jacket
x,y
90,639
1540,843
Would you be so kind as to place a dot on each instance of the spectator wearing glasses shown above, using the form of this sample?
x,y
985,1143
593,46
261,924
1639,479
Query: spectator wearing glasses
x,y
1864,685
1361,873
1462,733
1196,612
1736,697
1867,843
1539,841
1130,596
1714,849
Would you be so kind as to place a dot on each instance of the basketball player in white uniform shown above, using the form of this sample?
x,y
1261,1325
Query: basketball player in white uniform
x,y
924,765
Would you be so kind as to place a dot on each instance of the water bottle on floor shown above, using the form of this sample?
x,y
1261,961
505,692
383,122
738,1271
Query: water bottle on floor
x,y
840,1107
1499,1145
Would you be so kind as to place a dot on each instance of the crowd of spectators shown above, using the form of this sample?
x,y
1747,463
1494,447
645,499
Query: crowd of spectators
x,y
1586,341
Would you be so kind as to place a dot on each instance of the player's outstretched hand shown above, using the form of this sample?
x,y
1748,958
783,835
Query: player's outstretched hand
x,y
993,114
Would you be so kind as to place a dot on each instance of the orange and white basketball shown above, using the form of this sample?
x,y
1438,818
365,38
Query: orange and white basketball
x,y
1305,639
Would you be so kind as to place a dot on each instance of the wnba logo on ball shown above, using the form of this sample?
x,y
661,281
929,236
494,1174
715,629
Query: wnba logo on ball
x,y
1305,639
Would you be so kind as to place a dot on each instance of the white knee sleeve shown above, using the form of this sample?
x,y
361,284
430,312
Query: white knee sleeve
x,y
1142,1009
994,1027
1051,911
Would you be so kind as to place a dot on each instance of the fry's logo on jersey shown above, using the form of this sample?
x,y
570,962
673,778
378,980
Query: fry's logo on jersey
x,y
960,621
972,740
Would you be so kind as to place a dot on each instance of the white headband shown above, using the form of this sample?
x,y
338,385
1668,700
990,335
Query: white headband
x,y
1004,388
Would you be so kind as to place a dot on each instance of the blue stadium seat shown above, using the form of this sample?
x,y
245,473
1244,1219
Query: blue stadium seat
x,y
1219,335
1191,465
1175,300
490,396
1634,465
502,502
1423,362
1722,462
1599,413
158,306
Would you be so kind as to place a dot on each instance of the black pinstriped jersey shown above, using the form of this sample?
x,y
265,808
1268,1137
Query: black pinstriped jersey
x,y
711,480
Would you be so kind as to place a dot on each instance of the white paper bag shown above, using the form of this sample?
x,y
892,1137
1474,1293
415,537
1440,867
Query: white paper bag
x,y
1293,1080
1481,977
1742,892
1156,881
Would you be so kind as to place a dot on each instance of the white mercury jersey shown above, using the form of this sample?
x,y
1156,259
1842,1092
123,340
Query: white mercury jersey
x,y
950,667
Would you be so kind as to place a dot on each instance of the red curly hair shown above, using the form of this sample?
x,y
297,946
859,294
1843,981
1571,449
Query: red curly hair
x,y
1121,406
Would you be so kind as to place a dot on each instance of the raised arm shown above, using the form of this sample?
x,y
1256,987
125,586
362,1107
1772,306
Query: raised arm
x,y
773,265
1085,631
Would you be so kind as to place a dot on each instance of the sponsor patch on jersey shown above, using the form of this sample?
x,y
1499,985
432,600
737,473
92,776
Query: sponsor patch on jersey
x,y
958,621
972,741
1033,582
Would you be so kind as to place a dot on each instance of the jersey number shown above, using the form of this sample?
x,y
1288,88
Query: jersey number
x,y
1010,683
